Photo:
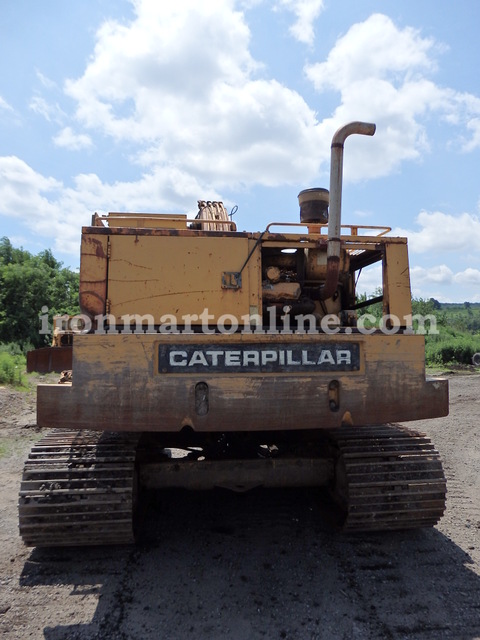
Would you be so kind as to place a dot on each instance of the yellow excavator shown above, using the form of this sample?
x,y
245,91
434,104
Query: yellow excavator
x,y
210,357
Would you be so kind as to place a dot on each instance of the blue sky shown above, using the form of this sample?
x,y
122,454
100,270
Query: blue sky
x,y
150,106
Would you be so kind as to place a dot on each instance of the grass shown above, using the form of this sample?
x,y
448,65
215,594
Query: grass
x,y
451,347
12,370
12,366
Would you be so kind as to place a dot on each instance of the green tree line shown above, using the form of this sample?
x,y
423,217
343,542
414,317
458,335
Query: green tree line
x,y
28,283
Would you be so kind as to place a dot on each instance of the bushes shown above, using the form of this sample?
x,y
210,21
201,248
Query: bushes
x,y
12,365
451,347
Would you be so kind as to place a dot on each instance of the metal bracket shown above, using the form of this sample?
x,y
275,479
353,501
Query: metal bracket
x,y
231,280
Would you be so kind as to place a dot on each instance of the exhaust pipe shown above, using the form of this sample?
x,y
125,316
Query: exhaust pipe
x,y
335,214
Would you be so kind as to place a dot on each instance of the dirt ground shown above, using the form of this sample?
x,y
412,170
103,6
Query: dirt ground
x,y
265,564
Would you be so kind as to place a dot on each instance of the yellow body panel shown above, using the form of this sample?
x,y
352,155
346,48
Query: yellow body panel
x,y
177,275
396,275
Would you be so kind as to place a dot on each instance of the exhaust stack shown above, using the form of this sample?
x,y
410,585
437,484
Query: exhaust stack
x,y
335,213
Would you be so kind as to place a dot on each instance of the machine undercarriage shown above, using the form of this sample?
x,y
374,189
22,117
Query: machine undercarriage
x,y
81,488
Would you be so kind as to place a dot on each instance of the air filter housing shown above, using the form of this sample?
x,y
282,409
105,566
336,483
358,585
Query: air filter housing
x,y
314,205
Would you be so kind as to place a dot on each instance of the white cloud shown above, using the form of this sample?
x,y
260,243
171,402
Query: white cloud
x,y
71,140
469,276
381,73
17,179
179,81
442,232
51,112
4,105
375,48
31,197
306,12
46,82
439,274
474,143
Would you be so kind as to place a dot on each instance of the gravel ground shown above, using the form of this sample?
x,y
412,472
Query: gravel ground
x,y
264,564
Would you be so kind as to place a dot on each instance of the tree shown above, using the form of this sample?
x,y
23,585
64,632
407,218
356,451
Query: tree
x,y
28,283
6,251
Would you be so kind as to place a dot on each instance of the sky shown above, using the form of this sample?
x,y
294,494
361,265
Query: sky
x,y
149,106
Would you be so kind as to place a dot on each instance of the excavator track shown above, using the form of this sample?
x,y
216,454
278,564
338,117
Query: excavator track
x,y
387,478
78,488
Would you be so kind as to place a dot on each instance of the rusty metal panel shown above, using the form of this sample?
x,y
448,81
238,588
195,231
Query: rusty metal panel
x,y
48,359
117,385
156,232
93,274
146,276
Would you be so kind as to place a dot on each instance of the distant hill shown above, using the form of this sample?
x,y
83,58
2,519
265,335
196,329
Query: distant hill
x,y
458,305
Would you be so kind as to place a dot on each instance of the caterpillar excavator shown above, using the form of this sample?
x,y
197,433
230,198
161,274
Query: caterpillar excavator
x,y
209,357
